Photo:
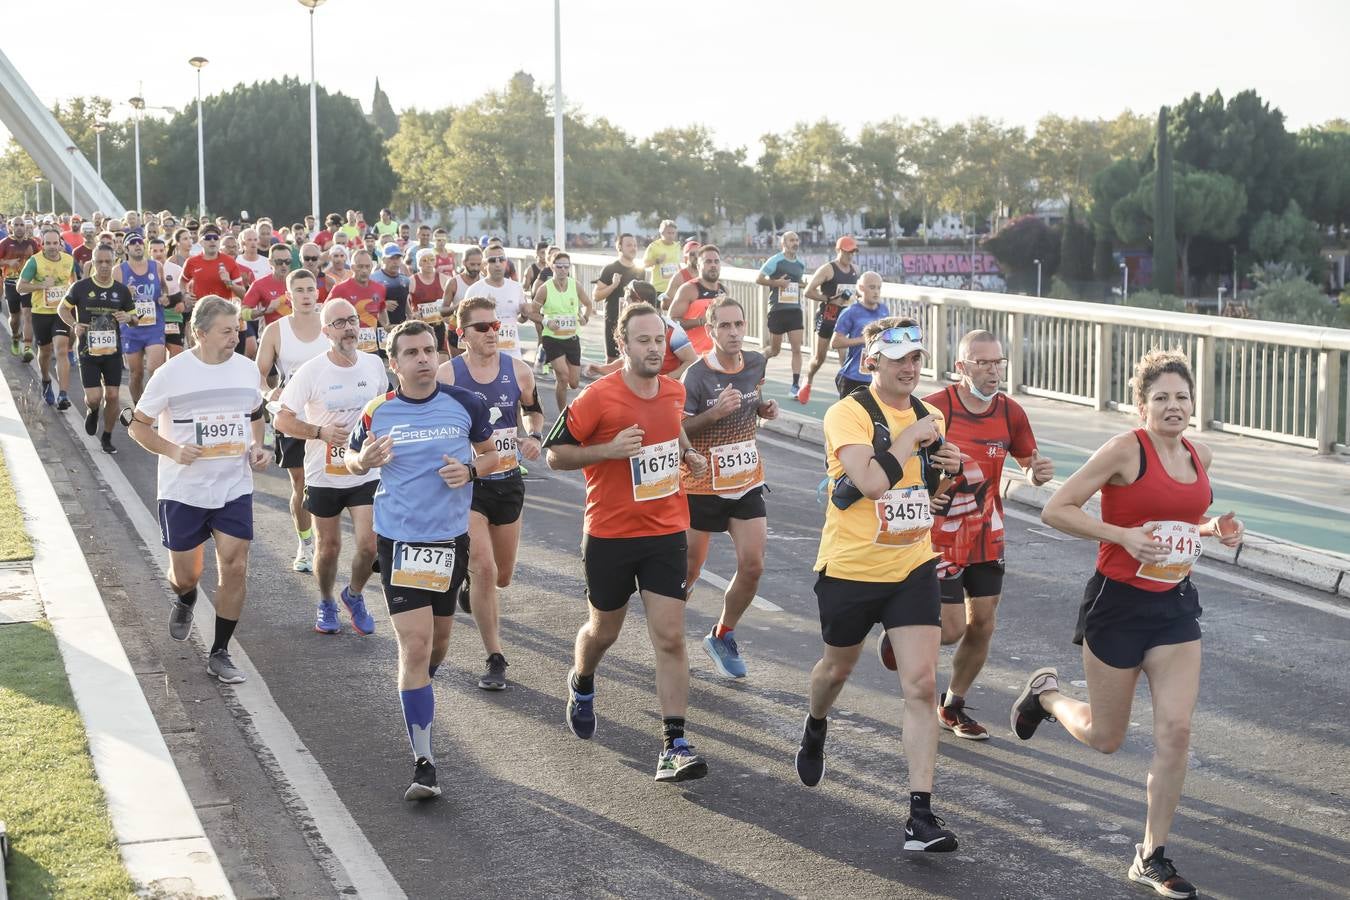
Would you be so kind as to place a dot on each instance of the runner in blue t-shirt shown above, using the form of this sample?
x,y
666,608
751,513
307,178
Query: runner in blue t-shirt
x,y
848,331
783,274
423,438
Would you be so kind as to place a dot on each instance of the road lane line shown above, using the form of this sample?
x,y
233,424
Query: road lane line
x,y
722,584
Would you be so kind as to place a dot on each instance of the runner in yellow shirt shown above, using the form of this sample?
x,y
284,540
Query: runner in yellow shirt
x,y
662,258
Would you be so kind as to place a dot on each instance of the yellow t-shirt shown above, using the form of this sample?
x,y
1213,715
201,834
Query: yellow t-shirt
x,y
870,541
664,261
62,271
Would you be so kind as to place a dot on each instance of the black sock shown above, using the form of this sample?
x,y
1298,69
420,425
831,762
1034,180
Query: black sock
x,y
189,597
814,724
672,730
920,803
583,684
796,378
107,436
224,631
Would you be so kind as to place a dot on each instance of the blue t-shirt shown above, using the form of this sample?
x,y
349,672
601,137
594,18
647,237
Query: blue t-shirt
x,y
850,324
395,294
412,502
779,266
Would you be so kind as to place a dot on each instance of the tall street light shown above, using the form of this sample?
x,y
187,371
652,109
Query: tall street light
x,y
1125,283
37,195
312,5
559,206
99,128
138,104
71,150
1038,277
198,62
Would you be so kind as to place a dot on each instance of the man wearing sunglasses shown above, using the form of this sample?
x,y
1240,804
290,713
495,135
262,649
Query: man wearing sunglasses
x,y
506,295
506,385
143,343
561,303
320,405
311,258
883,449
968,532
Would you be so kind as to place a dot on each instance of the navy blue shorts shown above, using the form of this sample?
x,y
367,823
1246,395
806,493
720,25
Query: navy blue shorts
x,y
184,527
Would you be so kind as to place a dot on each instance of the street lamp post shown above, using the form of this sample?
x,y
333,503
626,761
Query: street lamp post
x,y
1221,290
559,206
137,104
71,150
313,116
198,62
37,195
99,128
1038,277
1125,284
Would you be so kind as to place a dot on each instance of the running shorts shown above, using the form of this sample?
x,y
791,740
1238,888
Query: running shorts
x,y
849,609
618,567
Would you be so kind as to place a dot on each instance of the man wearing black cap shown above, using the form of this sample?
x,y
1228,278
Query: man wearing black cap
x,y
833,287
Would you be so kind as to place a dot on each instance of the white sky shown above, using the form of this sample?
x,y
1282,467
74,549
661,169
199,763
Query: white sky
x,y
742,68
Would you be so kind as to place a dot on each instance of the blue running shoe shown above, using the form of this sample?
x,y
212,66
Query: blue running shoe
x,y
724,653
362,620
62,401
580,712
47,393
327,620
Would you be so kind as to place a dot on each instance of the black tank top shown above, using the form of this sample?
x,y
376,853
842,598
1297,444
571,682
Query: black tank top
x,y
839,280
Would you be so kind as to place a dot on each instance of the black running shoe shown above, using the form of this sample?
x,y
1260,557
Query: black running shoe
x,y
91,422
1158,873
1027,713
107,445
423,785
494,679
463,597
928,834
811,755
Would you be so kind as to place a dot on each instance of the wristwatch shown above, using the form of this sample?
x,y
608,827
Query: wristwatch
x,y
537,435
687,452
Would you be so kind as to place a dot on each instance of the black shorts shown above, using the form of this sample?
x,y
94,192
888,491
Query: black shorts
x,y
846,385
785,319
326,502
825,321
441,345
556,347
288,452
617,567
981,579
402,599
849,609
1121,622
176,338
101,371
499,500
47,326
16,300
712,513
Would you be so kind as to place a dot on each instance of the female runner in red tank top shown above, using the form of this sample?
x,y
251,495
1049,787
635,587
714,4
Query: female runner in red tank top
x,y
1140,609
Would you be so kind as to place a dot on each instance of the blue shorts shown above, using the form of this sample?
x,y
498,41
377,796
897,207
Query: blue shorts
x,y
184,527
136,338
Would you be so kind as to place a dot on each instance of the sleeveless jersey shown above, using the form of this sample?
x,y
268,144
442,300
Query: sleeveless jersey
x,y
839,278
145,291
292,352
561,310
698,308
502,395
425,300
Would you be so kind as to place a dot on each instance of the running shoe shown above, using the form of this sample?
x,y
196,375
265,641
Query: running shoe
x,y
27,353
14,347
804,393
47,394
362,621
326,620
494,679
928,834
885,652
463,596
180,620
680,763
304,557
62,401
107,445
220,665
953,718
1027,713
811,755
580,711
91,422
724,653
1158,873
423,785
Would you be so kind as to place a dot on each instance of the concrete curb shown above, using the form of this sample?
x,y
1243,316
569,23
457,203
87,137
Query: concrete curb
x,y
1329,572
161,839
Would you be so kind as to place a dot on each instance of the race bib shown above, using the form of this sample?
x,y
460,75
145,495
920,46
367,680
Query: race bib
x,y
220,434
669,269
52,297
171,328
506,443
791,294
508,336
427,567
430,312
101,342
145,312
563,326
367,339
335,459
1182,540
735,467
903,517
656,470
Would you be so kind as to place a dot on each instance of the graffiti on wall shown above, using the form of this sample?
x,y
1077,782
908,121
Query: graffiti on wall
x,y
939,268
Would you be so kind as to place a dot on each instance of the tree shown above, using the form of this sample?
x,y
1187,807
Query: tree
x,y
1284,294
1208,205
1109,187
603,178
1322,164
419,156
675,163
881,172
1286,238
1068,153
817,157
784,194
1164,216
1017,247
382,113
1075,249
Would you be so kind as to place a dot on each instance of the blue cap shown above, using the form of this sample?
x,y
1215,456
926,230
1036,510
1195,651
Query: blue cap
x,y
483,242
391,250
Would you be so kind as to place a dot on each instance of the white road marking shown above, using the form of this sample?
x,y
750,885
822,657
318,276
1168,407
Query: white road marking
x,y
721,584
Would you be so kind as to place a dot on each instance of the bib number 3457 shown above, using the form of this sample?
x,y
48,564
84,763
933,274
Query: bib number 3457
x,y
903,517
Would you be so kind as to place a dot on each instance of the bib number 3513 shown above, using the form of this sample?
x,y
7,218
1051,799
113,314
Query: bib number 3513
x,y
427,567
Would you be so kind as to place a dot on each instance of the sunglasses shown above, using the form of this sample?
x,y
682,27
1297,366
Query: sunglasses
x,y
493,259
278,261
310,258
901,334
483,327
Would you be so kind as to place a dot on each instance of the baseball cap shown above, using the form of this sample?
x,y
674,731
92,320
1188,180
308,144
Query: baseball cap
x,y
391,250
209,229
846,244
897,342
425,252
691,244
134,237
483,241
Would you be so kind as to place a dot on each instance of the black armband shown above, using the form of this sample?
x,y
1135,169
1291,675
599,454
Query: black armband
x,y
533,406
894,469
257,413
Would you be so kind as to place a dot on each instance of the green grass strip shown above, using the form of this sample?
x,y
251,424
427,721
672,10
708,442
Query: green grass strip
x,y
14,542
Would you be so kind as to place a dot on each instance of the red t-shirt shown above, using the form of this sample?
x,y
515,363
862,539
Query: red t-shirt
x,y
19,251
323,239
368,299
82,255
640,496
264,291
204,276
972,531
445,265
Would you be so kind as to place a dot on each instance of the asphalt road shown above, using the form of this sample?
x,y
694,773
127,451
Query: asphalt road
x,y
531,811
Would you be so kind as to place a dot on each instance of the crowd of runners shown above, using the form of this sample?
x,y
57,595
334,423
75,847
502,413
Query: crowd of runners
x,y
392,379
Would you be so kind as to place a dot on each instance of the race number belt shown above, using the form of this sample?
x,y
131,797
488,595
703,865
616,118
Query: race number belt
x,y
735,467
220,434
335,459
430,312
1182,540
656,470
903,517
563,326
426,567
101,342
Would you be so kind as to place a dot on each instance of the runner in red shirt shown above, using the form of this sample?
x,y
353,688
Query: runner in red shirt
x,y
14,253
368,299
625,432
267,297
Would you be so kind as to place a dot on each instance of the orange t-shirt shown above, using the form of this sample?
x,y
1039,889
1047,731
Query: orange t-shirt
x,y
639,496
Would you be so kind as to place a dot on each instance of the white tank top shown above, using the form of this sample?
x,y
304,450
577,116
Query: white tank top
x,y
294,352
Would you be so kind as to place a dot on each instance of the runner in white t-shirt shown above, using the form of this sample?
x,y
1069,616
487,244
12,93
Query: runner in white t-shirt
x,y
208,409
321,403
509,298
